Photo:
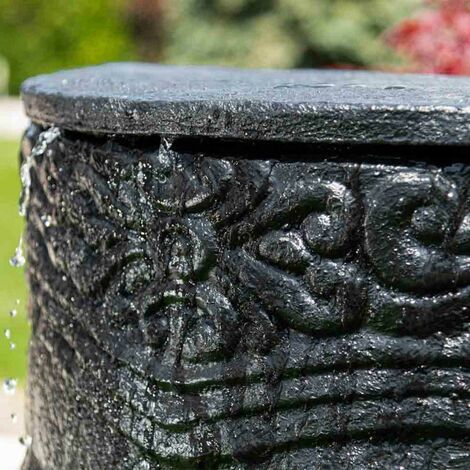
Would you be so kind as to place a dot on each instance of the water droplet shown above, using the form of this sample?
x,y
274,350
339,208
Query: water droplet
x,y
26,441
167,143
7,333
9,386
12,346
18,259
162,179
355,85
13,313
395,87
304,85
14,418
46,220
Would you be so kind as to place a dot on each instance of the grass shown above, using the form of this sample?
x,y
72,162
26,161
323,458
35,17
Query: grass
x,y
13,363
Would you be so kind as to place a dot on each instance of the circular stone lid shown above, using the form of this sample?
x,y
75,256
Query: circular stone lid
x,y
281,105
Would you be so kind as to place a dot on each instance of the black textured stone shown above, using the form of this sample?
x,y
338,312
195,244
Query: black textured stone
x,y
221,304
300,106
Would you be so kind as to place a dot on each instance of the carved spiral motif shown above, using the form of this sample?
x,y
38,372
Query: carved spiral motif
x,y
415,239
411,234
316,219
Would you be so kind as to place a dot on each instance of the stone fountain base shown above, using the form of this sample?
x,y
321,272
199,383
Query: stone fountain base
x,y
201,301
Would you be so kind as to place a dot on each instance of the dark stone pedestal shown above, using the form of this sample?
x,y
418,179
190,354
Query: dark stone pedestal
x,y
235,269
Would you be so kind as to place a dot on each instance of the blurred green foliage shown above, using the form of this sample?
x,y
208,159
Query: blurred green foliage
x,y
283,33
38,36
12,285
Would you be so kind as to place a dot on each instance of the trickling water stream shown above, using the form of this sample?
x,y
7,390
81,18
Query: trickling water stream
x,y
18,259
44,139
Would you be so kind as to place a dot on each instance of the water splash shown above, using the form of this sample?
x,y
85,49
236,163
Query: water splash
x,y
45,138
9,386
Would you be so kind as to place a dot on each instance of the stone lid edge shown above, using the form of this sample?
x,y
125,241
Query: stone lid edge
x,y
256,120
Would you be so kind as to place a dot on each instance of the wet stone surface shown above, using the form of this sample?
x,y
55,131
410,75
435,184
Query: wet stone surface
x,y
282,105
215,304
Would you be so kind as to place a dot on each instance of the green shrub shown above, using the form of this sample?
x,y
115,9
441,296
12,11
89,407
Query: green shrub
x,y
282,33
38,36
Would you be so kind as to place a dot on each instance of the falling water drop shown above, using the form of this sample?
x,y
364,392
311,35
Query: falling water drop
x,y
46,220
12,346
9,386
18,259
13,313
14,418
167,142
26,440
164,159
7,333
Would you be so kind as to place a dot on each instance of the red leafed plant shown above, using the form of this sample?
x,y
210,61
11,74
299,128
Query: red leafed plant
x,y
438,39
